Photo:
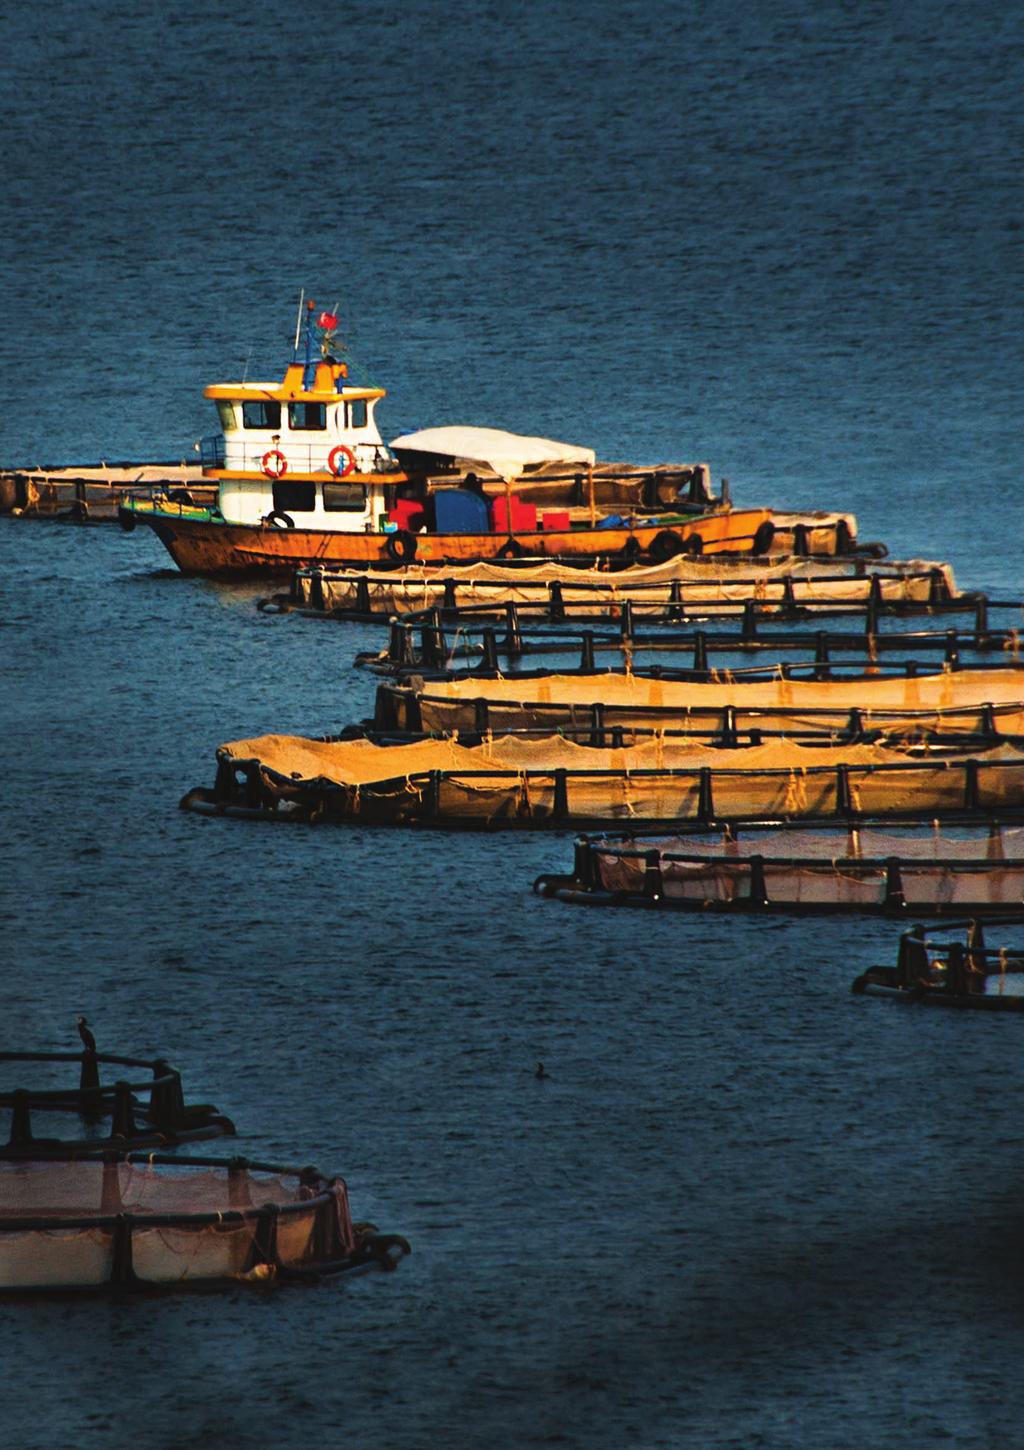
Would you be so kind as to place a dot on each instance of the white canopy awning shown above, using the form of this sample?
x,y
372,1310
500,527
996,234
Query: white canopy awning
x,y
508,454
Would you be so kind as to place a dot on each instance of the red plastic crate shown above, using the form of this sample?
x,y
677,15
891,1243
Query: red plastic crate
x,y
524,515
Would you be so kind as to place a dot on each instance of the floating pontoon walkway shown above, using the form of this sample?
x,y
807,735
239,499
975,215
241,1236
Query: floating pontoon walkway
x,y
93,493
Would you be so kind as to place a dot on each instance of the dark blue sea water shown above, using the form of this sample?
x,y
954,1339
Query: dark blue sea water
x,y
745,1209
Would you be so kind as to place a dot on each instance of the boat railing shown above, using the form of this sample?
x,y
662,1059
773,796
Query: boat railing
x,y
211,451
249,457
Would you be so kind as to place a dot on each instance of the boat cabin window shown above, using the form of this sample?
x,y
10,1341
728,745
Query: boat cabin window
x,y
345,498
292,496
304,417
261,415
226,413
355,413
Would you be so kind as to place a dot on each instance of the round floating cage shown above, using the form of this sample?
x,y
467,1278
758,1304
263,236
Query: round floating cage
x,y
964,972
116,1105
877,867
126,1222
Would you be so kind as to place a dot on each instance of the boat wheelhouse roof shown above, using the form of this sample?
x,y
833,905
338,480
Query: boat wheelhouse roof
x,y
330,383
507,454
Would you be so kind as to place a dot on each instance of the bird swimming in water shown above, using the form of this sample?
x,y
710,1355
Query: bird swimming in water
x,y
85,1034
540,1073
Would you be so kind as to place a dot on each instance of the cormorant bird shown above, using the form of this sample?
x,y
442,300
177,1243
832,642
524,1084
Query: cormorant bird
x,y
85,1034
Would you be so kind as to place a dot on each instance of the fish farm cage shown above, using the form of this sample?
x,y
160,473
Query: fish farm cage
x,y
556,783
557,594
876,868
422,646
119,1221
603,709
963,973
146,1112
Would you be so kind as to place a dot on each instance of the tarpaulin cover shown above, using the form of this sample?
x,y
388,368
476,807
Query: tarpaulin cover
x,y
406,590
941,690
913,704
509,777
508,454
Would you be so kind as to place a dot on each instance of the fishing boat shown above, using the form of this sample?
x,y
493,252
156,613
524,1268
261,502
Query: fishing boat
x,y
874,867
304,477
964,973
126,1221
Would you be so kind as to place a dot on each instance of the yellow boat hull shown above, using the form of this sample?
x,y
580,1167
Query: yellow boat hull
x,y
201,545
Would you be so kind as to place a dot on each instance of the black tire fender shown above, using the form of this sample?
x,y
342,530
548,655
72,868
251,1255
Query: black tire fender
x,y
278,519
665,545
401,546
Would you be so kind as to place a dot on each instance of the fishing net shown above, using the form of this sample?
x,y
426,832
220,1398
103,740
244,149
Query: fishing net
x,y
802,868
917,703
207,1221
602,592
509,777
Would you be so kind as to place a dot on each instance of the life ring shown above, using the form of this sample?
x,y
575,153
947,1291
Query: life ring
x,y
334,458
274,463
510,549
665,545
401,546
280,520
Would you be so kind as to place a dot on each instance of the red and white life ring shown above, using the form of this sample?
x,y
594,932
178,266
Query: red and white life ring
x,y
341,461
274,463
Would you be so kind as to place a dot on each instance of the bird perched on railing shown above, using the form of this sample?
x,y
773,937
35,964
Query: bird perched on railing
x,y
85,1034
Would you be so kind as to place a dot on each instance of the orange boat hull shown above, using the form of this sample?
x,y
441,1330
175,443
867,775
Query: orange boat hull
x,y
201,546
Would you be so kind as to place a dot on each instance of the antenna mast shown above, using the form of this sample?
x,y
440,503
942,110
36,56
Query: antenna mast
x,y
298,319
